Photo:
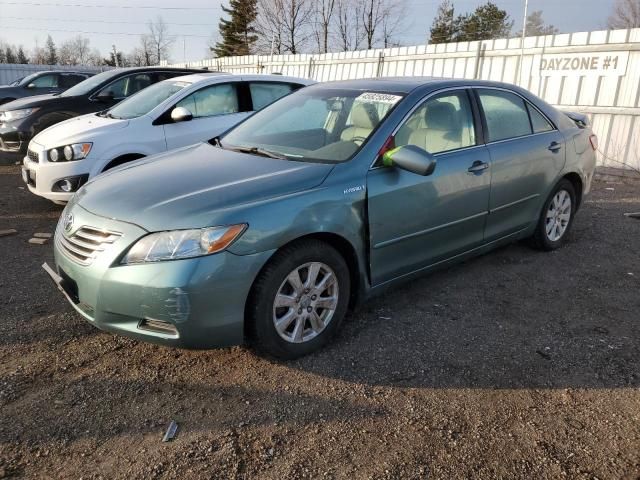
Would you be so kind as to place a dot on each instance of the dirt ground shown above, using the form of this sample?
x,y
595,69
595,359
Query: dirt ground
x,y
518,364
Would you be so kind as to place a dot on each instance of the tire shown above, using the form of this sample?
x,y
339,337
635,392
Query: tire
x,y
552,231
305,325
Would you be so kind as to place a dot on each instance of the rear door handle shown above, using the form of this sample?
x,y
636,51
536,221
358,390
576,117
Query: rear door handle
x,y
555,146
478,167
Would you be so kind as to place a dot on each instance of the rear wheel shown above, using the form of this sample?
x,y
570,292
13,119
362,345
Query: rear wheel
x,y
556,217
299,300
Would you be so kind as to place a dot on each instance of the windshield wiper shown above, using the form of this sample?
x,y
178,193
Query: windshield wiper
x,y
258,151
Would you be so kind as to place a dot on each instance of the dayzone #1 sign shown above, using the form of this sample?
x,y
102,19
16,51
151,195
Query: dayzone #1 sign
x,y
596,63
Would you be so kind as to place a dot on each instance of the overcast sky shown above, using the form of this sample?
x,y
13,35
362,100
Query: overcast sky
x,y
193,22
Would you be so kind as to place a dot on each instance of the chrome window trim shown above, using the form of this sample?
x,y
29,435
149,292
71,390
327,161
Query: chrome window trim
x,y
475,88
418,104
527,102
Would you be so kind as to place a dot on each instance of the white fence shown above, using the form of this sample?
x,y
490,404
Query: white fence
x,y
12,71
597,73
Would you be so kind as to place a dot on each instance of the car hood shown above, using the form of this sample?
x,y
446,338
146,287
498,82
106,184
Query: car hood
x,y
193,187
6,90
78,129
31,102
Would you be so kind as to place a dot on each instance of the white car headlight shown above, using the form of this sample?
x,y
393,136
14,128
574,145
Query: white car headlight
x,y
12,115
177,244
77,151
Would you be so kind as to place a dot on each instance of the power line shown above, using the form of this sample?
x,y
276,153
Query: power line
x,y
79,5
105,21
104,33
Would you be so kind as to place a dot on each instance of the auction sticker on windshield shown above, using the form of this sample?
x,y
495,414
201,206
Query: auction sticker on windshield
x,y
379,98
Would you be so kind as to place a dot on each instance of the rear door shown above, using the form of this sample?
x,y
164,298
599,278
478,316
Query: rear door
x,y
527,153
416,221
215,108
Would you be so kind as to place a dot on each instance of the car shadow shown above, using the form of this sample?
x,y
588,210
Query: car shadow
x,y
514,318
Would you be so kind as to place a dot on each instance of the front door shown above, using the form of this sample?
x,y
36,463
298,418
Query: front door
x,y
417,221
215,109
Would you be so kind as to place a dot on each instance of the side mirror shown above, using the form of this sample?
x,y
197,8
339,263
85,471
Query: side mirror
x,y
105,96
31,86
181,114
412,159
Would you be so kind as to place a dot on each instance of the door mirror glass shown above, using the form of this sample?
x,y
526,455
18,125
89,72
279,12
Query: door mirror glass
x,y
31,85
181,114
410,158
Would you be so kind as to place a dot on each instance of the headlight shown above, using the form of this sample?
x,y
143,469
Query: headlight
x,y
77,151
11,115
161,246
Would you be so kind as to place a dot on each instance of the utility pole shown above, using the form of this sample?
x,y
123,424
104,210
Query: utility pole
x,y
184,50
115,55
524,34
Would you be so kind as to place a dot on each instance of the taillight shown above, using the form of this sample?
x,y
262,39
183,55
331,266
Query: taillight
x,y
593,139
388,145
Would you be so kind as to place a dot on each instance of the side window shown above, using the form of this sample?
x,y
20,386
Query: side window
x,y
441,124
46,81
539,123
263,93
68,80
506,115
127,86
213,100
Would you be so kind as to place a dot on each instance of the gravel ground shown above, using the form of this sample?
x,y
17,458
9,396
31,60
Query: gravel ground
x,y
518,364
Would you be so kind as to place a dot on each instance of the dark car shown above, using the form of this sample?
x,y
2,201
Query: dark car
x,y
41,83
21,120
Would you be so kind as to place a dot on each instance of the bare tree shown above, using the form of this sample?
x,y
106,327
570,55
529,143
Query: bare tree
x,y
625,14
348,24
160,39
323,14
75,51
283,24
372,17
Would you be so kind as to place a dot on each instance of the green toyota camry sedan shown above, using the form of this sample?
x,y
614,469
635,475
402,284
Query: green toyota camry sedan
x,y
269,233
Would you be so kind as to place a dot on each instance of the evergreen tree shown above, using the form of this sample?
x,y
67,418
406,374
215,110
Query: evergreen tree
x,y
22,58
536,25
9,56
238,33
443,25
2,59
486,22
51,52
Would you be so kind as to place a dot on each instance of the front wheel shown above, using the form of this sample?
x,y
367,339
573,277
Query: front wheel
x,y
556,217
299,300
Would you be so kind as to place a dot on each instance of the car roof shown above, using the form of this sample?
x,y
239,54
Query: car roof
x,y
408,84
209,76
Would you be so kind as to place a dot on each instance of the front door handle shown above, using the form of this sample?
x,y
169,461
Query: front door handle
x,y
478,167
555,146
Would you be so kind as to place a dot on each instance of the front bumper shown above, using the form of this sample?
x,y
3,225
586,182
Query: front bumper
x,y
13,139
41,176
201,299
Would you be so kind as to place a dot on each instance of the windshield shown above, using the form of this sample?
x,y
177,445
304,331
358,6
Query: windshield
x,y
89,84
146,100
318,124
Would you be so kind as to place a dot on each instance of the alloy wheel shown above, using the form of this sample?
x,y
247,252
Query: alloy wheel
x,y
558,215
306,302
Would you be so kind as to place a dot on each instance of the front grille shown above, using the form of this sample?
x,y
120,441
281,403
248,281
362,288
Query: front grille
x,y
33,156
85,244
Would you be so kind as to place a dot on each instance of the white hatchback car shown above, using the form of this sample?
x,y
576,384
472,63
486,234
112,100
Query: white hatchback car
x,y
170,114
